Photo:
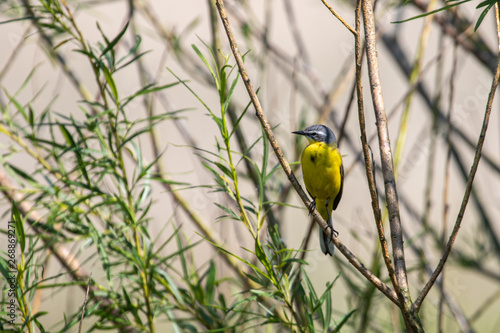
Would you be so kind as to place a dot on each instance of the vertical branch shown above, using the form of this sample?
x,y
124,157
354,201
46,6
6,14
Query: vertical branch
x,y
447,178
470,180
385,149
366,151
411,319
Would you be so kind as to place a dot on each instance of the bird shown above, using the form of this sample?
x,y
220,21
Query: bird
x,y
323,173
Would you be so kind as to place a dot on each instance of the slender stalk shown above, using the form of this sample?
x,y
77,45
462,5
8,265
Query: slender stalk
x,y
412,322
84,304
339,17
446,185
370,172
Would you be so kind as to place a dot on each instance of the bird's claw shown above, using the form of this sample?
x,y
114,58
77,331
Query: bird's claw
x,y
312,206
330,226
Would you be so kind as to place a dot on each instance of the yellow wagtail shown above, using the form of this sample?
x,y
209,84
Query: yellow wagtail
x,y
323,176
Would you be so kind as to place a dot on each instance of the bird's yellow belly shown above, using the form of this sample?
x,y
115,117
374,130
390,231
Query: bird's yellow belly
x,y
321,170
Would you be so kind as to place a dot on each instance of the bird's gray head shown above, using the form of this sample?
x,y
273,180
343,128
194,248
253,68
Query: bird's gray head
x,y
318,133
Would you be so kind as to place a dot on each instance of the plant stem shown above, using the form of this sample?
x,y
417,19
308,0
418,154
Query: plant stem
x,y
412,322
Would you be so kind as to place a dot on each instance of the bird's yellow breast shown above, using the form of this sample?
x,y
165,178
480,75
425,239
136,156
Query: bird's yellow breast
x,y
321,169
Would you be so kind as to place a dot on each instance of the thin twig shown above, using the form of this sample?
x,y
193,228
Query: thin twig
x,y
339,17
446,185
84,304
468,188
284,163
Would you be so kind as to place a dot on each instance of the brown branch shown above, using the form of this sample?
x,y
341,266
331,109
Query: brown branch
x,y
370,172
284,163
447,179
84,304
354,32
411,319
468,187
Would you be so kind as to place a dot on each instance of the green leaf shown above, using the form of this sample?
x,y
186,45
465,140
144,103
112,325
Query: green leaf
x,y
148,89
264,260
433,12
111,82
230,93
343,321
229,211
130,61
483,14
21,173
210,284
20,236
219,121
102,251
210,69
114,41
170,284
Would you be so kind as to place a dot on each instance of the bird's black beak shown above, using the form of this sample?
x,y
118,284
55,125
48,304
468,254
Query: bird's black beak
x,y
299,132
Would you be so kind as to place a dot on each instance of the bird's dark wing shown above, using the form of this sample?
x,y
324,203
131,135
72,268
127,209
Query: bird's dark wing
x,y
339,195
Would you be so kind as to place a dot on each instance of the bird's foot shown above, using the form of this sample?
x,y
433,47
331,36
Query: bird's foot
x,y
312,206
333,231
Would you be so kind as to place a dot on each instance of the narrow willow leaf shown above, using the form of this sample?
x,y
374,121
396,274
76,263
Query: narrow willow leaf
x,y
16,217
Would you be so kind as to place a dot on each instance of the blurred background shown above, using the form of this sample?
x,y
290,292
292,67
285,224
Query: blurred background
x,y
436,73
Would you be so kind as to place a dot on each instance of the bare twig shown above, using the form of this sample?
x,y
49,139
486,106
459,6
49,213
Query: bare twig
x,y
411,319
84,304
284,163
370,172
339,17
446,185
468,188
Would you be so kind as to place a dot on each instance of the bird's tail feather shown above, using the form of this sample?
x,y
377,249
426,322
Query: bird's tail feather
x,y
324,240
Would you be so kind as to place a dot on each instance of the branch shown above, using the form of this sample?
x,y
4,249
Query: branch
x,y
412,322
385,152
366,151
284,163
354,32
468,188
